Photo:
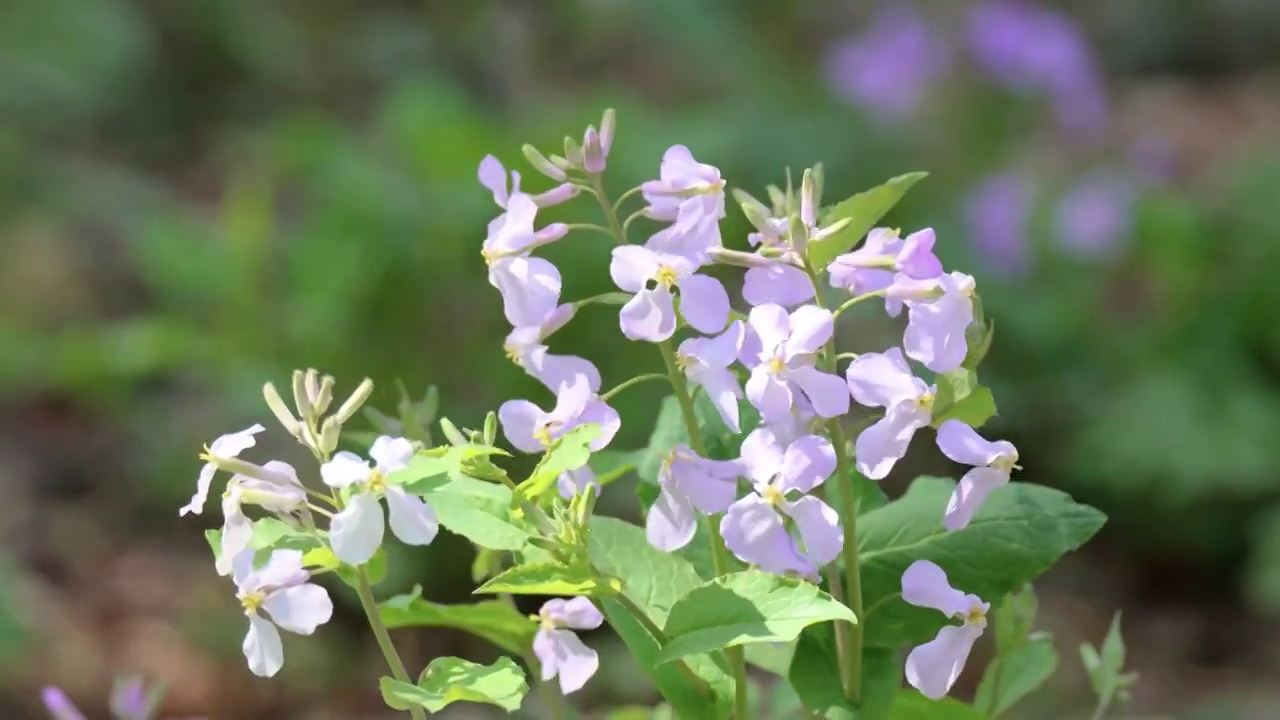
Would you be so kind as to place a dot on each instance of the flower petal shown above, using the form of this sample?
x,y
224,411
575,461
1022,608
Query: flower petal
x,y
556,370
237,531
932,668
719,351
530,289
807,462
632,266
778,284
755,533
283,568
412,520
519,420
970,493
710,485
762,454
494,177
572,482
671,522
770,394
300,609
577,613
344,470
883,444
391,453
916,259
811,328
574,663
201,496
649,315
963,444
356,532
819,527
602,414
704,303
262,647
232,444
882,379
935,331
59,705
829,394
772,325
722,388
924,584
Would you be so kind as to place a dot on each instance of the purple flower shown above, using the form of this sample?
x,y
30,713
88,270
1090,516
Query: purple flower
x,y
59,705
286,494
1093,216
356,532
888,69
779,284
493,176
706,361
993,462
690,484
755,528
693,240
884,380
530,289
225,447
572,482
938,311
996,215
559,649
932,668
529,429
650,314
282,589
686,190
871,267
784,367
129,700
524,347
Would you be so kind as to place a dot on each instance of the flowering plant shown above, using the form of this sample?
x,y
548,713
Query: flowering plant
x,y
767,541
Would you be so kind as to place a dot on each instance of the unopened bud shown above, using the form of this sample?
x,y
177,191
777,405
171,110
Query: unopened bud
x,y
608,123
353,403
592,152
808,200
725,256
311,381
560,162
550,233
542,164
431,404
561,193
280,409
572,153
778,199
819,181
324,395
330,432
490,428
452,434
301,400
755,211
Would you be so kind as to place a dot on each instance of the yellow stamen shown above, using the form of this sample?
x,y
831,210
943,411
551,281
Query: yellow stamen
x,y
665,276
925,402
772,495
376,482
543,435
777,365
251,601
977,615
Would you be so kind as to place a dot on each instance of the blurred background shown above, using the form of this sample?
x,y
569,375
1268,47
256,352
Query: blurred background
x,y
197,196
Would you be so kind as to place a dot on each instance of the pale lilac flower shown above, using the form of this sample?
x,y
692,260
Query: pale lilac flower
x,y
356,532
706,361
996,214
559,650
784,367
993,463
755,528
690,484
493,176
938,311
283,493
932,668
653,276
572,482
1093,216
225,447
524,347
885,380
512,234
530,289
872,267
530,429
684,187
778,284
282,589
59,705
888,69
129,700
694,240
771,233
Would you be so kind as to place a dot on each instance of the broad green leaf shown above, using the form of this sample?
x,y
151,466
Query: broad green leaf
x,y
746,607
449,679
863,210
771,657
974,410
815,671
497,621
1015,618
375,570
436,466
271,533
654,581
550,578
911,705
321,557
881,682
477,510
569,452
721,441
1016,675
1020,532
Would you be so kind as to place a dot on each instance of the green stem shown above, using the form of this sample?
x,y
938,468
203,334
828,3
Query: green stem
x,y
854,301
626,224
652,628
365,591
591,226
619,236
633,381
617,205
719,554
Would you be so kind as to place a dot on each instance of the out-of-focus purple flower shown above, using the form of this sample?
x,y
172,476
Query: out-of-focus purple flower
x,y
784,367
690,484
572,482
1094,215
706,361
687,192
283,496
1154,159
888,68
129,700
524,347
650,314
559,650
282,589
872,267
996,214
932,668
227,446
530,429
1025,46
59,705
779,284
938,311
755,528
993,462
356,532
885,380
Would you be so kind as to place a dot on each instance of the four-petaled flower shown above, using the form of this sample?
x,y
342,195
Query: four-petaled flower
x,y
885,380
524,347
993,462
284,495
872,267
779,283
769,529
938,311
531,429
225,447
686,190
558,648
784,365
690,484
356,532
706,361
653,276
282,589
932,668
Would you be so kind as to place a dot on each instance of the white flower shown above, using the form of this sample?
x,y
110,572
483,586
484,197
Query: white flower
x,y
281,588
356,532
284,495
225,447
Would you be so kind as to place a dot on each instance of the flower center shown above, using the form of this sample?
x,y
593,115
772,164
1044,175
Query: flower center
x,y
207,455
776,365
376,482
925,401
1007,463
977,615
665,276
543,434
684,361
251,601
512,353
772,495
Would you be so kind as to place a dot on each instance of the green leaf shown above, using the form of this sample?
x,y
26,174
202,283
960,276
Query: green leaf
x,y
271,533
550,578
375,570
815,671
569,452
1015,675
863,210
449,679
477,510
1020,532
911,705
668,431
654,581
494,620
974,410
746,607
1015,618
771,657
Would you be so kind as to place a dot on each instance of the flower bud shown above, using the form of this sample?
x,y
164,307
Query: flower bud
x,y
550,233
490,428
353,403
608,123
452,434
572,153
808,200
330,432
323,396
281,410
561,162
542,164
592,151
301,399
778,199
561,193
755,211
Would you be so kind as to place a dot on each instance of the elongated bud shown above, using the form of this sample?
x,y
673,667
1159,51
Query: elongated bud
x,y
353,403
330,433
592,151
491,428
431,404
59,705
551,233
831,229
755,211
608,123
280,409
778,199
301,399
560,162
819,182
572,153
311,381
561,193
808,200
452,434
583,503
726,256
324,395
542,164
